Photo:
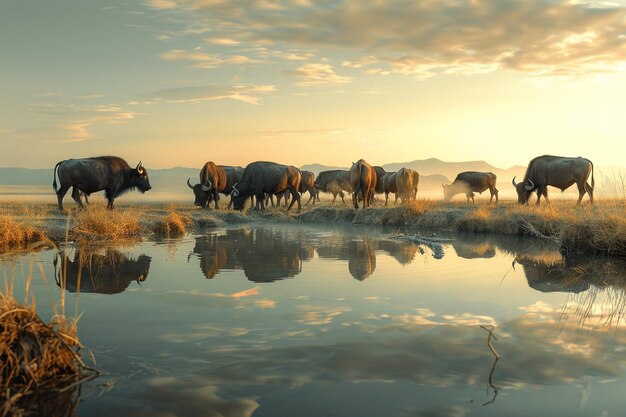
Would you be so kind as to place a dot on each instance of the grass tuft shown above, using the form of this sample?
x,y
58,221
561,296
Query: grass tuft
x,y
172,225
40,366
101,223
15,236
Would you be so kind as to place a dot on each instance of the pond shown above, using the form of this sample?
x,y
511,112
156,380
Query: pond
x,y
291,320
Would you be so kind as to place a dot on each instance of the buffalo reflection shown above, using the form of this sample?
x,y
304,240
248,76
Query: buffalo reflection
x,y
108,272
547,269
267,255
264,255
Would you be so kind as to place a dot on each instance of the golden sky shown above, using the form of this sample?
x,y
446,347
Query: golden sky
x,y
181,82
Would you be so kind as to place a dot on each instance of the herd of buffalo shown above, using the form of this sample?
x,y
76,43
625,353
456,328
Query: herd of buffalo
x,y
260,181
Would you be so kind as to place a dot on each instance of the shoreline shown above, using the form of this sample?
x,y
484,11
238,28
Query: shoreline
x,y
598,229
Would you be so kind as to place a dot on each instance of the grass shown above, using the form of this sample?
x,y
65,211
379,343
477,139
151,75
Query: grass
x,y
40,365
97,222
173,225
15,236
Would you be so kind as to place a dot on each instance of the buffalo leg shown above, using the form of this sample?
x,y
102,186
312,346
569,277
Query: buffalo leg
x,y
312,196
216,197
343,200
295,196
386,197
589,190
76,196
60,194
355,200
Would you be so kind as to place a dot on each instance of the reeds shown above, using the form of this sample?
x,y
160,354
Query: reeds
x,y
40,367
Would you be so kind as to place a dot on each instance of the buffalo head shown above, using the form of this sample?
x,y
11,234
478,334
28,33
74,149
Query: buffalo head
x,y
201,192
524,189
139,178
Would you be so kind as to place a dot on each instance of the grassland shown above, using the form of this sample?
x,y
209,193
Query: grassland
x,y
599,228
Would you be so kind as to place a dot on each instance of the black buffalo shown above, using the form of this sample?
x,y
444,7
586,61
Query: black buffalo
x,y
109,173
263,177
469,182
557,171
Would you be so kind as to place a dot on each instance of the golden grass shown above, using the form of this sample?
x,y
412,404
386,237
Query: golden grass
x,y
40,367
15,236
100,223
172,225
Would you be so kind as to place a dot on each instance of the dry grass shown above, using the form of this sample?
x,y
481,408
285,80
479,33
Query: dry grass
x,y
172,225
100,223
40,367
15,236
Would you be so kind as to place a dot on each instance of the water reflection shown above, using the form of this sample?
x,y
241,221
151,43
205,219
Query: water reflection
x,y
91,270
264,255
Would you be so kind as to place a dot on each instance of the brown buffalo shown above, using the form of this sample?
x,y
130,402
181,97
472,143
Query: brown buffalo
x,y
556,171
213,180
363,182
389,186
404,184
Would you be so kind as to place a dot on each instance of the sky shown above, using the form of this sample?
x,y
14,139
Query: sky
x,y
181,82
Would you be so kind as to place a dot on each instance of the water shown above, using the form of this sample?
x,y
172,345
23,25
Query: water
x,y
319,321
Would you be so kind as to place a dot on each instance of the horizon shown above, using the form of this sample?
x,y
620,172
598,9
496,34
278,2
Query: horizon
x,y
179,82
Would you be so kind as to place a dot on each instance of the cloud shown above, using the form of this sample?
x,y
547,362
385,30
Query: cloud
x,y
316,74
193,397
70,122
423,38
199,59
198,94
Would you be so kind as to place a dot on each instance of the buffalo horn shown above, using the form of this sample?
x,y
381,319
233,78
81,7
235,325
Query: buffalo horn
x,y
513,182
530,186
235,191
189,183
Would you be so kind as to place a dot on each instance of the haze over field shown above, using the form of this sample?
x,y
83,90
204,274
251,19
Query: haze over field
x,y
179,82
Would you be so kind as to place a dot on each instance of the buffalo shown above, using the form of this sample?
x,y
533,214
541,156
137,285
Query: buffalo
x,y
306,185
469,182
404,184
88,175
380,172
389,186
335,181
104,273
263,177
363,182
212,181
557,171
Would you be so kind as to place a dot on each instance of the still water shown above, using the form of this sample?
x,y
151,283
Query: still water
x,y
318,321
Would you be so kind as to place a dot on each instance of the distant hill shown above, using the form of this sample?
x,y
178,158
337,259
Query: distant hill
x,y
317,168
25,176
